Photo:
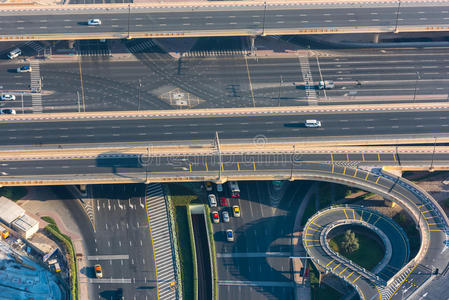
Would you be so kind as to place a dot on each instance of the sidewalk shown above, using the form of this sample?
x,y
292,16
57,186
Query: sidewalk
x,y
41,201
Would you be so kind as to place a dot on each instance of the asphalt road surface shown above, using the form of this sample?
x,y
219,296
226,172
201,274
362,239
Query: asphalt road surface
x,y
193,129
151,77
122,243
256,19
257,265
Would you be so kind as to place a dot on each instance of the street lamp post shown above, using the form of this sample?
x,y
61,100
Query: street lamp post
x,y
416,86
147,163
433,153
264,15
138,95
129,17
279,94
396,29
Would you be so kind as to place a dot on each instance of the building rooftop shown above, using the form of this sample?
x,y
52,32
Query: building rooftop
x,y
9,211
25,222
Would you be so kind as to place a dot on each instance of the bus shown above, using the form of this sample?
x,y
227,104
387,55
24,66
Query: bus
x,y
235,191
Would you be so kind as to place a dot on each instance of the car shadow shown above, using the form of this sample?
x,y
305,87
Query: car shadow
x,y
82,23
295,125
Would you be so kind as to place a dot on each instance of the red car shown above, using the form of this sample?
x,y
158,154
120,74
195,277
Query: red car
x,y
215,217
224,202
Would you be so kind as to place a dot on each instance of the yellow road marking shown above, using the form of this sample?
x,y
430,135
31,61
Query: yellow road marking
x,y
315,224
313,229
353,214
366,177
377,180
335,267
378,156
429,217
394,157
254,165
332,157
363,156
207,169
421,206
344,171
222,168
425,211
349,275
190,167
345,213
347,156
309,240
356,279
238,166
433,224
402,282
355,173
435,230
376,221
332,168
342,271
329,263
249,79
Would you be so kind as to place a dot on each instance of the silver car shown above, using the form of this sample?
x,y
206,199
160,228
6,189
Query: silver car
x,y
225,215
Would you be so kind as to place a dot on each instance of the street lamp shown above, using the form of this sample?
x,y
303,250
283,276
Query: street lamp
x,y
396,30
433,153
418,77
138,95
129,16
279,95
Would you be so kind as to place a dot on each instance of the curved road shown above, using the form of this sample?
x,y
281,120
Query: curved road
x,y
398,239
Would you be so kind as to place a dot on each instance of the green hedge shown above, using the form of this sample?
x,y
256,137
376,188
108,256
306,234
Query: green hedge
x,y
53,229
212,250
187,258
13,192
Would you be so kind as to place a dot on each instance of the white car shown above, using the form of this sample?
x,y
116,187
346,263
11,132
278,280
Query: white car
x,y
212,200
94,22
312,123
8,97
7,111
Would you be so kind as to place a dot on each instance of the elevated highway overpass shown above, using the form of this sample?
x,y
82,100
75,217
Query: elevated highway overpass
x,y
226,18
318,230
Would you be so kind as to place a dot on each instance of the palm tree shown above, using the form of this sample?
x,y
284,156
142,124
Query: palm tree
x,y
350,243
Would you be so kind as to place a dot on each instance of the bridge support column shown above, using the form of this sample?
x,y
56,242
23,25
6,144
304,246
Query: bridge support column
x,y
252,39
376,38
70,43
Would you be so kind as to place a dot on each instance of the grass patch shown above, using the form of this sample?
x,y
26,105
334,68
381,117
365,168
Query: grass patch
x,y
49,220
185,247
53,230
182,194
13,192
212,249
369,254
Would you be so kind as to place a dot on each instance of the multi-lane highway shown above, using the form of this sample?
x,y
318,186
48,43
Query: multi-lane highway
x,y
259,18
145,79
284,126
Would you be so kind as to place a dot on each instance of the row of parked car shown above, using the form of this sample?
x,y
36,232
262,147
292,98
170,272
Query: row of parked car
x,y
227,208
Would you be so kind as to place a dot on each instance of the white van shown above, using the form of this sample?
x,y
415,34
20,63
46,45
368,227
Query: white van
x,y
312,123
14,53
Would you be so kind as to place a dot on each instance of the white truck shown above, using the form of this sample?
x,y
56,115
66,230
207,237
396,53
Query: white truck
x,y
326,85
